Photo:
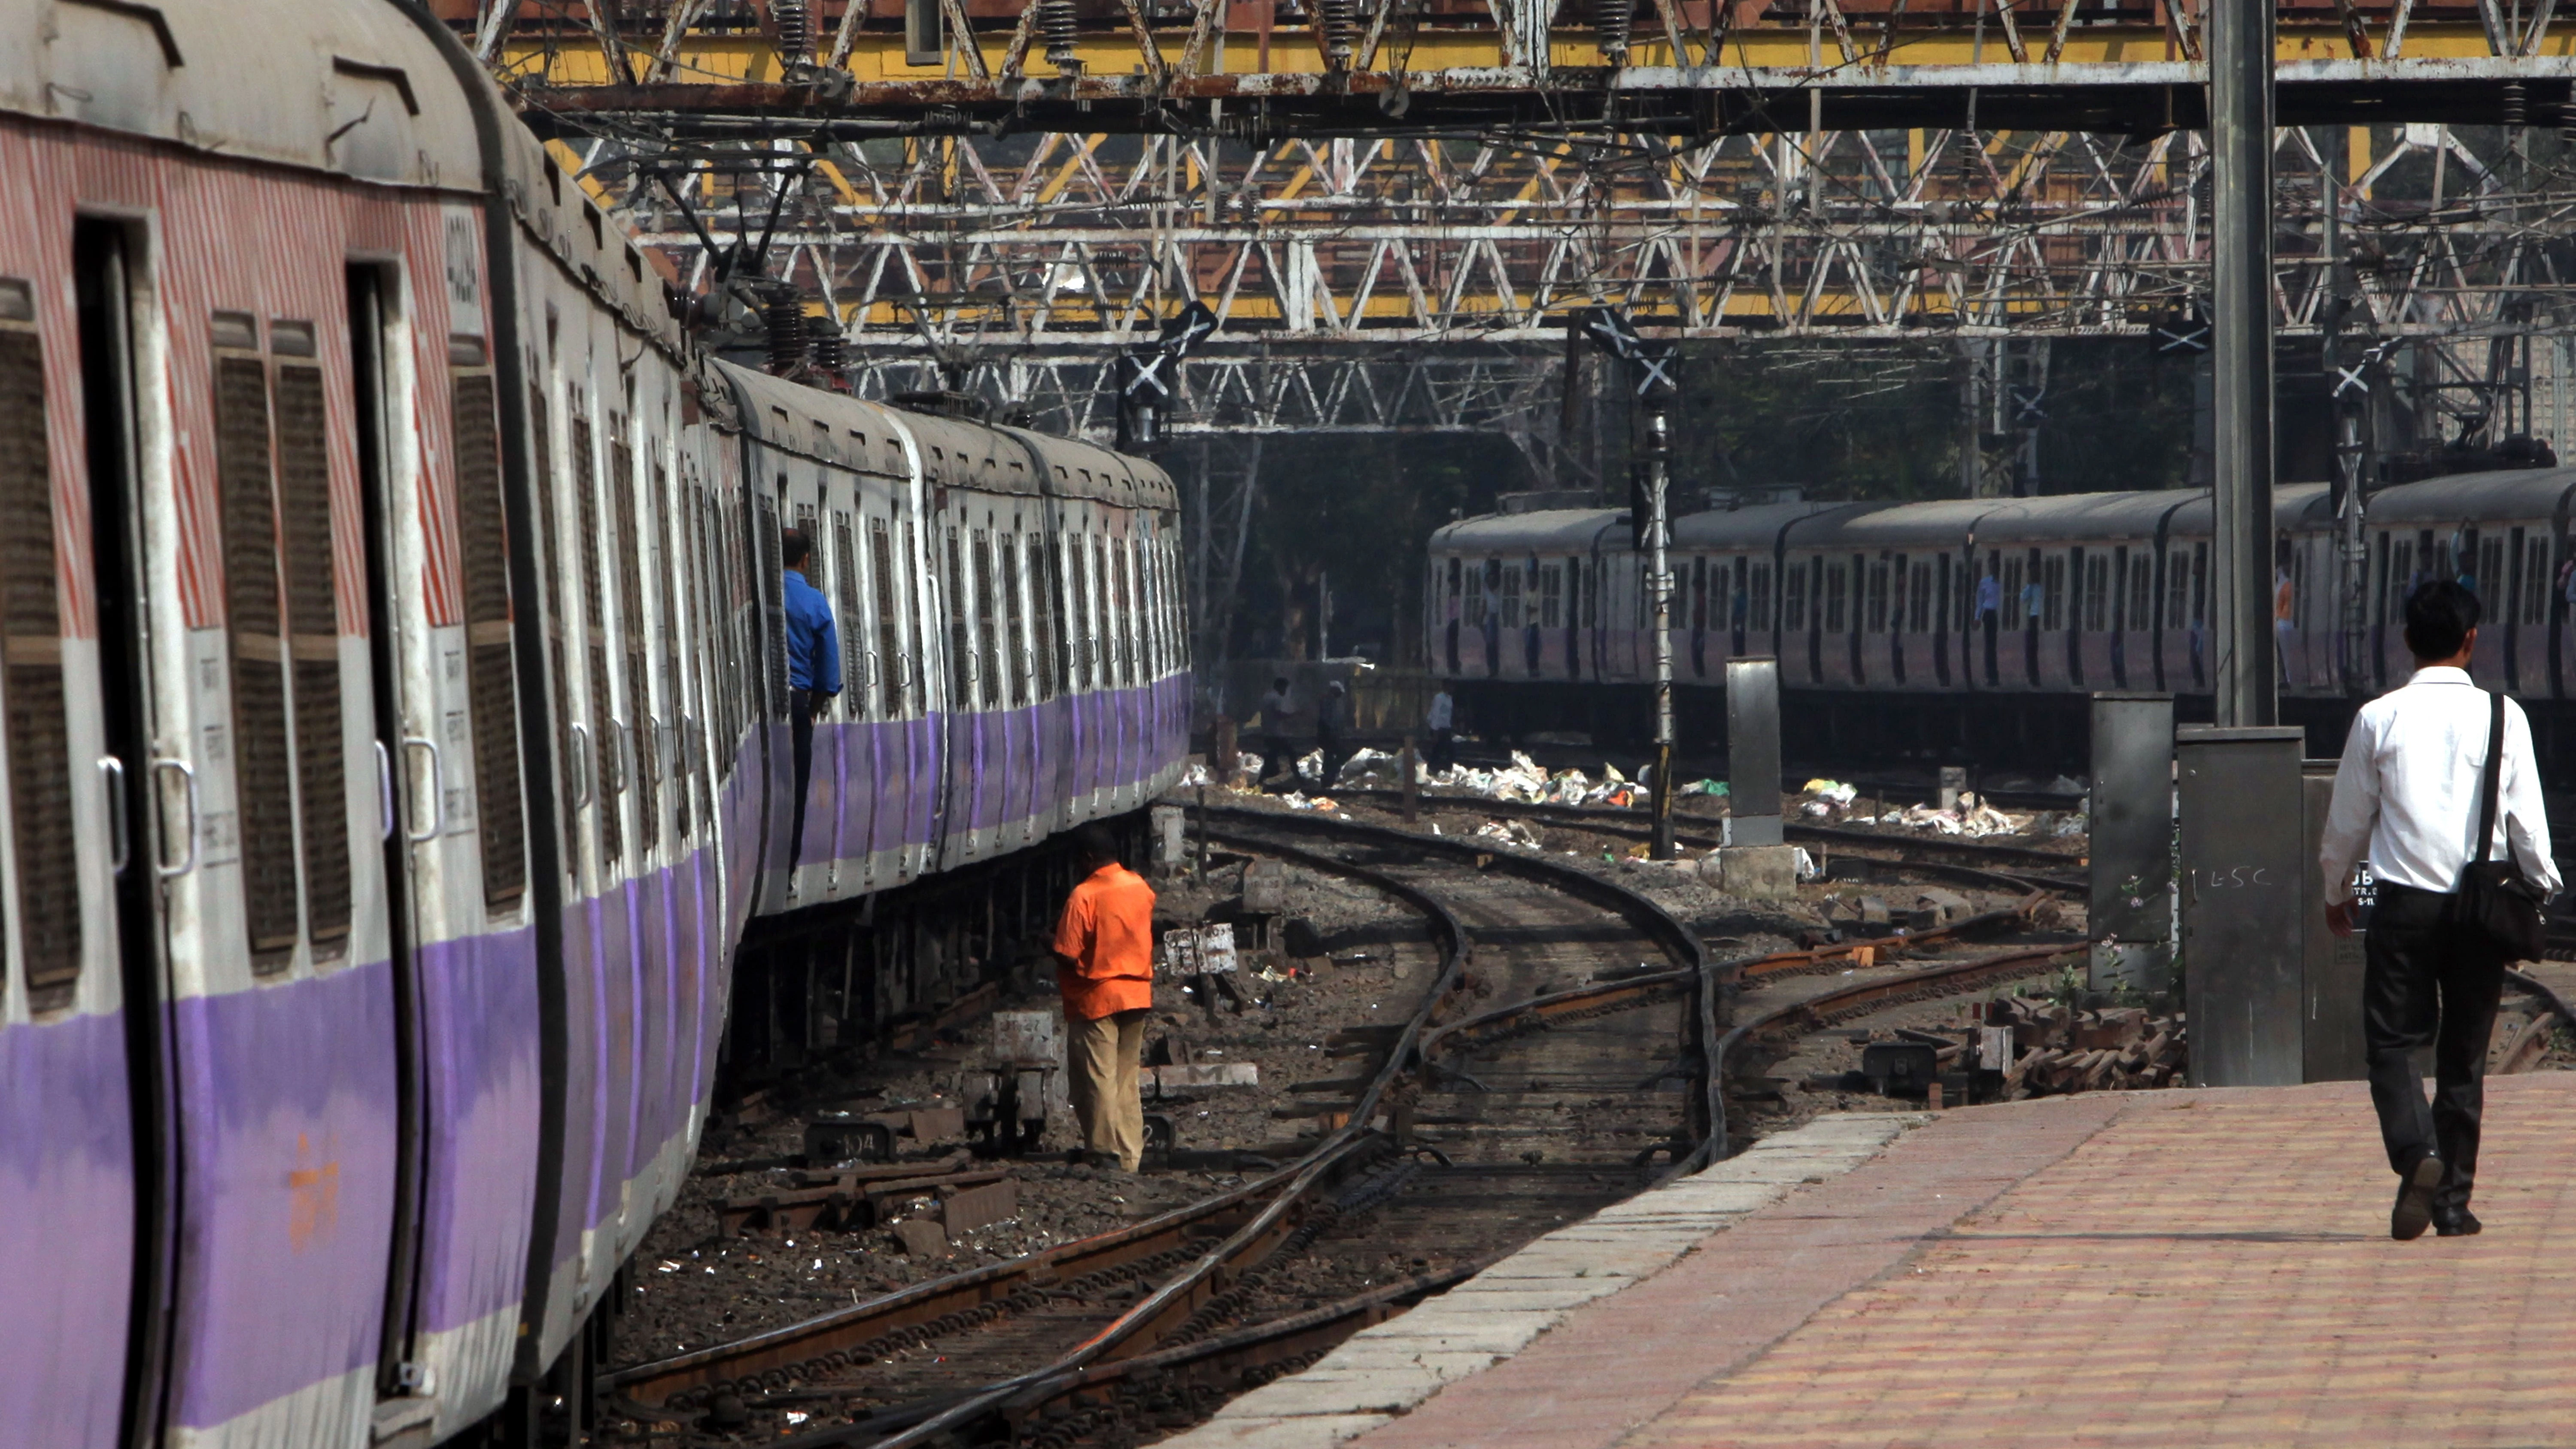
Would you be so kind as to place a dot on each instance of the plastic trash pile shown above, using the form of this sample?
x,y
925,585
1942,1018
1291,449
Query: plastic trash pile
x,y
1524,782
1248,773
1972,816
1514,833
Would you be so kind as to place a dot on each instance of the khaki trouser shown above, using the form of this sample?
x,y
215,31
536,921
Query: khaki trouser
x,y
1106,1099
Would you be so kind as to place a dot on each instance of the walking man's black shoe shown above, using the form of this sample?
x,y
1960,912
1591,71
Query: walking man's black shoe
x,y
2460,1224
2414,1211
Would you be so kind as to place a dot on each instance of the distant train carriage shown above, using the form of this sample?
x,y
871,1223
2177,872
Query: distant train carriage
x,y
1958,627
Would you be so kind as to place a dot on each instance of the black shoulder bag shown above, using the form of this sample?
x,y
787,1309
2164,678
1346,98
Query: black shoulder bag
x,y
2495,904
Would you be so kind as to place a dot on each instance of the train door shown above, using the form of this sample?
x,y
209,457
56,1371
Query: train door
x,y
441,697
89,1109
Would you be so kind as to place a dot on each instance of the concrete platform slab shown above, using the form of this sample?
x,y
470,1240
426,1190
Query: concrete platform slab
x,y
2136,1269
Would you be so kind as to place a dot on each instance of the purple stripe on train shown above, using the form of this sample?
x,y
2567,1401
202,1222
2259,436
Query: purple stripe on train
x,y
1005,766
66,1230
287,1138
480,1024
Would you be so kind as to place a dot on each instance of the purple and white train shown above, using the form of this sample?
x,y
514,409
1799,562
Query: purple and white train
x,y
1963,628
393,718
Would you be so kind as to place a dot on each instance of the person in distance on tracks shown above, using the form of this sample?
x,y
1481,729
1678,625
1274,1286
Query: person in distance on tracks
x,y
1442,721
2407,799
1104,952
1276,708
813,672
1333,732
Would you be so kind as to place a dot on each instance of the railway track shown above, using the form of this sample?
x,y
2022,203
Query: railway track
x,y
1543,1075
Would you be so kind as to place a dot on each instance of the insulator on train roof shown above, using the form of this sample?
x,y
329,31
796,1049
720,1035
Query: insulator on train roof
x,y
1055,22
827,348
2514,112
785,319
795,31
1341,22
1610,23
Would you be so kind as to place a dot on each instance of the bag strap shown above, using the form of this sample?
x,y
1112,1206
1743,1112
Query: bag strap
x,y
2488,787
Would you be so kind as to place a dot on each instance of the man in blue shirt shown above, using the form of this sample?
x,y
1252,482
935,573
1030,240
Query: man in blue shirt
x,y
813,670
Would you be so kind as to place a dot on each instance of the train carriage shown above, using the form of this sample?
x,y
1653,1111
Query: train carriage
x,y
2036,601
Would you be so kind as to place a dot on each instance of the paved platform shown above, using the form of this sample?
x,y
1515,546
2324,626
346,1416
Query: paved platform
x,y
2153,1268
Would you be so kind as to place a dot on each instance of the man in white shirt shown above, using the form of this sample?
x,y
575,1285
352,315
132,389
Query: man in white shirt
x,y
1441,721
2407,799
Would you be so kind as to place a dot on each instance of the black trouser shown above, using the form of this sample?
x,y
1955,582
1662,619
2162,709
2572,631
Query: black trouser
x,y
1444,749
800,735
1275,758
2427,981
1335,754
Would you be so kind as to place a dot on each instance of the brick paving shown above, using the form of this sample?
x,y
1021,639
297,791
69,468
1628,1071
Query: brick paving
x,y
2165,1268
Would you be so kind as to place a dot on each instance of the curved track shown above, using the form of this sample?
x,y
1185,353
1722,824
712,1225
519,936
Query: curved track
x,y
1553,1067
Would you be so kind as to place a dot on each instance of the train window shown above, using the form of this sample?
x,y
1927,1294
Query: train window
x,y
1921,619
1793,604
1046,659
1834,586
2199,584
1122,563
1021,692
855,681
490,678
1086,650
549,488
2097,593
1511,599
263,760
1472,608
988,663
2535,586
960,654
2052,599
889,620
1761,600
1551,594
31,656
2142,592
638,719
2490,579
2016,606
607,770
2177,587
313,617
1877,598
2401,578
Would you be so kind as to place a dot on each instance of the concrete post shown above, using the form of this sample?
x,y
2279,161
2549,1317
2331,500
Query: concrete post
x,y
1754,862
2241,139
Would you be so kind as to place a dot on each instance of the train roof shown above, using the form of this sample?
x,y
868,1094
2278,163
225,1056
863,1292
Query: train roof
x,y
831,427
1943,522
2462,497
2294,506
1550,529
1755,526
364,90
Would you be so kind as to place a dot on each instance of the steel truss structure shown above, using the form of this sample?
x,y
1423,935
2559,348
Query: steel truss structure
x,y
1401,283
1271,67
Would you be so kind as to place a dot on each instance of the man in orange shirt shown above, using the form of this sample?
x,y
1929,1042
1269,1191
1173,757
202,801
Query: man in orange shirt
x,y
1104,951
